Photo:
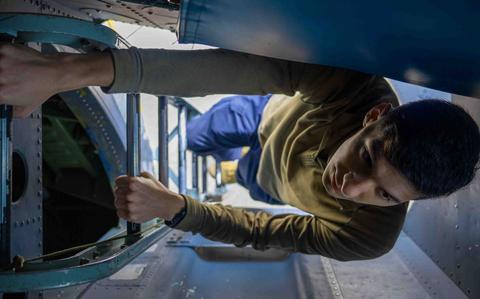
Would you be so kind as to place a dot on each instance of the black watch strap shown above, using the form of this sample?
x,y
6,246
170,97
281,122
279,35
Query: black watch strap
x,y
179,216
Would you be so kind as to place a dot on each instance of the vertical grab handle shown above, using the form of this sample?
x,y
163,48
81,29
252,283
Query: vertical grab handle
x,y
204,175
163,140
218,174
182,149
133,151
195,173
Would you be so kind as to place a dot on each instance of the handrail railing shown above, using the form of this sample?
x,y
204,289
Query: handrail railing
x,y
133,151
197,190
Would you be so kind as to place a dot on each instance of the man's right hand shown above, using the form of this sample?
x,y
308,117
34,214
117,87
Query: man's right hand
x,y
28,78
140,199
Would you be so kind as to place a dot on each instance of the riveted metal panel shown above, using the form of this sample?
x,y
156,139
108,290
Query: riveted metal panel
x,y
448,229
199,268
104,124
26,213
161,13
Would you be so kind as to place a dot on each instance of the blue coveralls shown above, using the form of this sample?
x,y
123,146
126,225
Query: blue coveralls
x,y
223,130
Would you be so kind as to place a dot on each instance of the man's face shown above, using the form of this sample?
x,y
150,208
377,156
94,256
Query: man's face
x,y
358,170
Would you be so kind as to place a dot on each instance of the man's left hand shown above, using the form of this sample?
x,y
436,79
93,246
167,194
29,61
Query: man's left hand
x,y
139,199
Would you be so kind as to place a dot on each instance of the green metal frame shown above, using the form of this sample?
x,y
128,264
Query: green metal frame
x,y
57,30
92,264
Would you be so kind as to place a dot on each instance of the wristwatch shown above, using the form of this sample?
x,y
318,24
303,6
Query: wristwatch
x,y
179,216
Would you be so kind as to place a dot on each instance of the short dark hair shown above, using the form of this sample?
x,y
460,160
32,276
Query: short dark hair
x,y
434,144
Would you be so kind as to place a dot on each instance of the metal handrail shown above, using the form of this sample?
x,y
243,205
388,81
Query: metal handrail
x,y
133,151
185,110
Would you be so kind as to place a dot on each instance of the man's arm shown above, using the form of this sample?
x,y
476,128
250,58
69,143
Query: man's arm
x,y
290,232
141,199
202,72
219,71
28,78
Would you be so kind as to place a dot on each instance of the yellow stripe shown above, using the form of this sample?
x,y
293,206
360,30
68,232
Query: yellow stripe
x,y
110,24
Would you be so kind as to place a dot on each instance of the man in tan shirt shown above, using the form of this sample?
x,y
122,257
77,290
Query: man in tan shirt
x,y
332,144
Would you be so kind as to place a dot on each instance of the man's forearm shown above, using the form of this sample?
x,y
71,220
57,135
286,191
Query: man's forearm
x,y
201,72
290,232
29,78
93,69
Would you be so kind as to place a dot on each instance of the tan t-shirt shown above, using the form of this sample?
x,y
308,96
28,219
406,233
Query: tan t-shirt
x,y
314,109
